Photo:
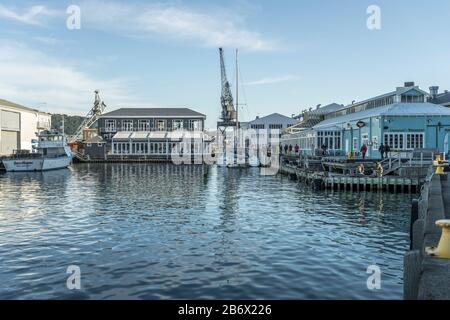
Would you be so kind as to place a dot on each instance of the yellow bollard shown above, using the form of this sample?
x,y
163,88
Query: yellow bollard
x,y
438,163
443,249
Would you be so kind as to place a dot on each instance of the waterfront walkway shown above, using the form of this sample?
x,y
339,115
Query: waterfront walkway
x,y
427,277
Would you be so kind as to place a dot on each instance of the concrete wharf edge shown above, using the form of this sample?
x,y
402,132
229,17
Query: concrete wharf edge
x,y
426,277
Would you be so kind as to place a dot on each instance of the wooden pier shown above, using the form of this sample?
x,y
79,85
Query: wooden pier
x,y
324,180
194,159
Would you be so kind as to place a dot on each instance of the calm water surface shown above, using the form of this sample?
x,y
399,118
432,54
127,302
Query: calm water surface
x,y
161,231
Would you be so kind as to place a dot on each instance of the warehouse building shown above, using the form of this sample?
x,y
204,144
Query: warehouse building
x,y
20,126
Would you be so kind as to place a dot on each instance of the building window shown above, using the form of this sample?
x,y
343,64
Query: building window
x,y
161,125
275,126
409,98
110,125
330,139
127,125
177,125
394,140
144,125
258,126
195,125
414,141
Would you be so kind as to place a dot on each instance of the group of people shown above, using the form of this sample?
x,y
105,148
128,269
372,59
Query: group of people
x,y
384,150
291,148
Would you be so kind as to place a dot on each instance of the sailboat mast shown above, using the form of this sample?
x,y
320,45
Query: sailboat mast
x,y
237,90
63,127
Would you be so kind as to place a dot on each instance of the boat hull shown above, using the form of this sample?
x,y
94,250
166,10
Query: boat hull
x,y
254,162
42,164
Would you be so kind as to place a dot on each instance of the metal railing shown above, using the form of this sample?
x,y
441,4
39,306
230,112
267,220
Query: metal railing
x,y
138,129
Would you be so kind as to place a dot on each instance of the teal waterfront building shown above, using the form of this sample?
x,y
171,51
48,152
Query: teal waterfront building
x,y
403,119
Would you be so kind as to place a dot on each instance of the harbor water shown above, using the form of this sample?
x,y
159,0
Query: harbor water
x,y
157,231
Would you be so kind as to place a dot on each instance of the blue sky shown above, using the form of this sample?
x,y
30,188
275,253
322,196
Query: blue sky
x,y
294,54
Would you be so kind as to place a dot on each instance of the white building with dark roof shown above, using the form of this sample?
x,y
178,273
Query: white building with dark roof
x,y
151,131
149,119
272,121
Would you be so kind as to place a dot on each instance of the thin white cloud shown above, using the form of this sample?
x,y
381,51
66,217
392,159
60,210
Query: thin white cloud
x,y
213,28
33,15
271,80
47,40
33,78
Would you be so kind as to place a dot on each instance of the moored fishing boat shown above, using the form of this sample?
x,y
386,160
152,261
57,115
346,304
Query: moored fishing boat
x,y
52,152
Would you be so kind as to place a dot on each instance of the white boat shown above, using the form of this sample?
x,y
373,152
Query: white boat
x,y
52,152
254,161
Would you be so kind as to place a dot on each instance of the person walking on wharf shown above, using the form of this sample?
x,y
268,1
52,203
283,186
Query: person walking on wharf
x,y
382,150
364,151
387,150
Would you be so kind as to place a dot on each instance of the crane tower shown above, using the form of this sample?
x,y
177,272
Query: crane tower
x,y
228,115
91,118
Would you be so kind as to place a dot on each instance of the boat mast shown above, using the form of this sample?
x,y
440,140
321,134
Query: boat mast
x,y
63,128
237,90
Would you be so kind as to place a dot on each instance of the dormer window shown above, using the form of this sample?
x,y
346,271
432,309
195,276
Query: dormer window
x,y
413,98
110,125
161,125
195,125
177,125
127,125
144,125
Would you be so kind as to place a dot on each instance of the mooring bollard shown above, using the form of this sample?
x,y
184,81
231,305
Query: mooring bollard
x,y
443,249
439,164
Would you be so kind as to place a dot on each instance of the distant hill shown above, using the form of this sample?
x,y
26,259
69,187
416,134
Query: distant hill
x,y
71,123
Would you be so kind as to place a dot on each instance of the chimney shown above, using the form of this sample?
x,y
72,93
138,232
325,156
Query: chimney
x,y
318,106
434,90
409,84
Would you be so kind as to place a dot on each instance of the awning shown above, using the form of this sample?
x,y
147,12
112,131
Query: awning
x,y
194,135
175,135
140,135
158,135
122,135
333,128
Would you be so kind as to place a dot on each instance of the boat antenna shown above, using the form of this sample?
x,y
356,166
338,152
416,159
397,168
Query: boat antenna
x,y
237,89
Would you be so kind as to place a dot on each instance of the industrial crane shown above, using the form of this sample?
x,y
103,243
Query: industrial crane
x,y
228,110
91,118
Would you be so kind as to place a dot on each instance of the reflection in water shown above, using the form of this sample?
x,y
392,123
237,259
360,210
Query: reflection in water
x,y
148,231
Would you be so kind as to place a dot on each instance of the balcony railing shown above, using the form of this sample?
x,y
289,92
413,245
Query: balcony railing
x,y
114,130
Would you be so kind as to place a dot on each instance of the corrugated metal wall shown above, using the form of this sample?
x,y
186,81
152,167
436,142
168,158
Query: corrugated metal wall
x,y
10,132
9,142
10,120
